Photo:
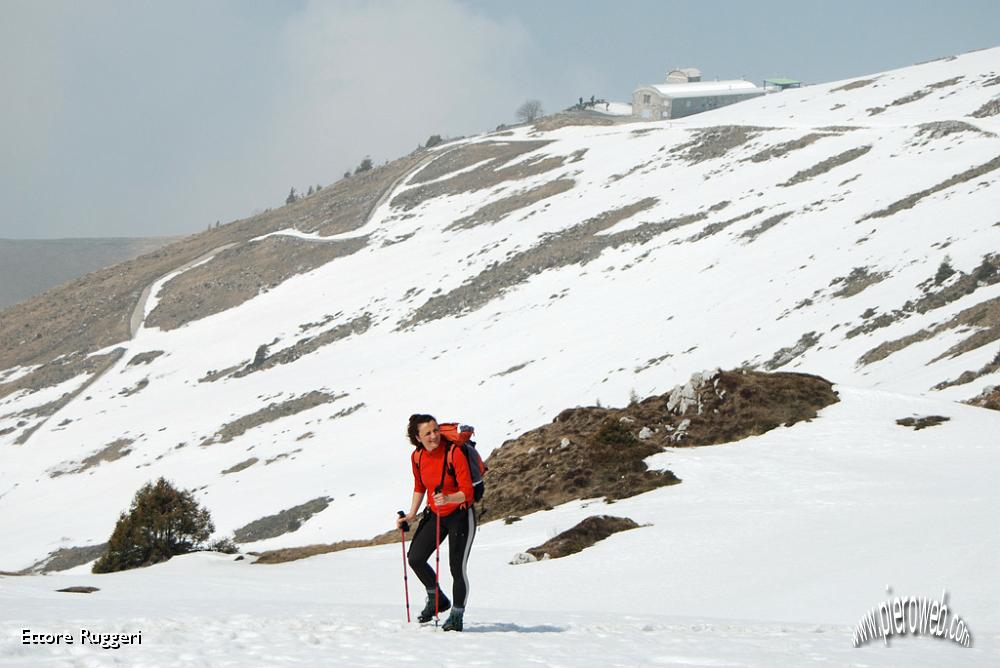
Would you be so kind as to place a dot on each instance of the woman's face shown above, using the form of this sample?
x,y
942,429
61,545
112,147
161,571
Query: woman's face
x,y
429,435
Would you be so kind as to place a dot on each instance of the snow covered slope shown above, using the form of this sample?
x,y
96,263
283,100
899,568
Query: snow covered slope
x,y
512,275
767,554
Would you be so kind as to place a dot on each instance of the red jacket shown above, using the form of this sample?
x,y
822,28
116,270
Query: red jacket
x,y
427,467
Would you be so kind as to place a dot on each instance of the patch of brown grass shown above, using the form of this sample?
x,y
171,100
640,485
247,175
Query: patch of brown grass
x,y
245,464
984,316
922,422
991,108
939,129
825,166
144,358
496,167
988,398
715,228
715,142
495,210
237,275
280,523
467,155
783,149
582,536
986,274
59,371
591,452
112,451
576,245
270,413
860,83
969,376
910,201
567,119
754,232
66,558
288,355
785,355
855,282
286,554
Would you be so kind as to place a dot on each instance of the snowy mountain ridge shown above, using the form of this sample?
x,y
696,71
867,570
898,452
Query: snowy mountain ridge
x,y
537,270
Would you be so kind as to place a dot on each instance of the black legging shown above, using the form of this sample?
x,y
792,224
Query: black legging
x,y
460,528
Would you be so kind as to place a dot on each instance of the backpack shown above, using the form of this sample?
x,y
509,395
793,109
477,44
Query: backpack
x,y
460,436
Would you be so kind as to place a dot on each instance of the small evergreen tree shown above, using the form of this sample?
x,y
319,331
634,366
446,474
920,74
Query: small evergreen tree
x,y
365,166
292,197
162,522
309,192
985,271
260,356
433,140
944,271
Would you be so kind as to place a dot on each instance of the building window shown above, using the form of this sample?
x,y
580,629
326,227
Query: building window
x,y
645,99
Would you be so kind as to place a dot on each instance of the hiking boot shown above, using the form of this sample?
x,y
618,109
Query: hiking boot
x,y
454,622
427,614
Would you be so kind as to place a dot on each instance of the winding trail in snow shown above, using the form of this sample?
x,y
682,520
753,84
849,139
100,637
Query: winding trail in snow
x,y
366,227
139,313
141,310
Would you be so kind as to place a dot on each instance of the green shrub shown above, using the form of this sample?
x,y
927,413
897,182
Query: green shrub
x,y
614,432
609,442
365,166
162,522
225,546
944,271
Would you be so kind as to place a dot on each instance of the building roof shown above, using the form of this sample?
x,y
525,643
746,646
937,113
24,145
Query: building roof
x,y
782,82
700,88
690,72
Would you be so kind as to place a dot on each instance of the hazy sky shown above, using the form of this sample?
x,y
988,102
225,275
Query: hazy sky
x,y
136,118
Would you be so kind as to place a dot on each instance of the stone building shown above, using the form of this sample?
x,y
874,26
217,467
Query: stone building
x,y
684,93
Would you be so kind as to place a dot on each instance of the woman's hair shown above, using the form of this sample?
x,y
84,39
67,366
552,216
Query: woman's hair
x,y
413,428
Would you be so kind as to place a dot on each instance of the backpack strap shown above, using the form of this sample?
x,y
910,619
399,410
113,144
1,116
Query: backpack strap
x,y
449,460
444,465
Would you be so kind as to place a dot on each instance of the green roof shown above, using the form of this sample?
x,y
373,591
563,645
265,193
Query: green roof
x,y
782,82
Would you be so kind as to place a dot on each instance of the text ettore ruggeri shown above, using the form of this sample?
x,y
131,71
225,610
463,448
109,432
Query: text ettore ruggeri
x,y
81,637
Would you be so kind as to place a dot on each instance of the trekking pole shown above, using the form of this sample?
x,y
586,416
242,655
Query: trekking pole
x,y
437,560
403,528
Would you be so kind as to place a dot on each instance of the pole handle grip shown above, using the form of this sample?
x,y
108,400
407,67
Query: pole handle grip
x,y
405,526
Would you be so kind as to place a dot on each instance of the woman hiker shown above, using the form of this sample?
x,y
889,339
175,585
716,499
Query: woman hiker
x,y
441,467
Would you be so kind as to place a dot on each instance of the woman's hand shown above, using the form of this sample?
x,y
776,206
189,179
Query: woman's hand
x,y
442,499
406,518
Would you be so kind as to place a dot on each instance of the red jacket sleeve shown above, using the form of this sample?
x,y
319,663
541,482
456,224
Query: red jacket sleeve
x,y
418,485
